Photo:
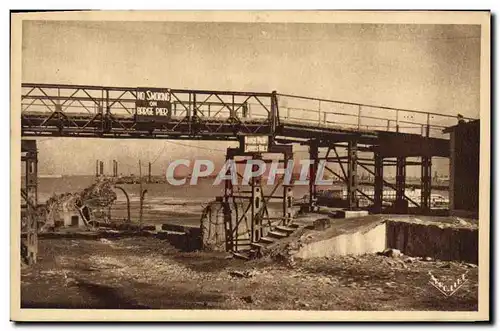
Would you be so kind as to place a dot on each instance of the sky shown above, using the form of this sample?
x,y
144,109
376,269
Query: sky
x,y
426,67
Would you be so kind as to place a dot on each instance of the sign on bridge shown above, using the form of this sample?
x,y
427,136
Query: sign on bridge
x,y
153,104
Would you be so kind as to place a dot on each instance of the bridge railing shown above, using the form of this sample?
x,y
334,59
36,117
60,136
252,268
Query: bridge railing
x,y
83,108
73,104
357,116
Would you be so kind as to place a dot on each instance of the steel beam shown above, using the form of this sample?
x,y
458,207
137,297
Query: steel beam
x,y
28,147
226,205
256,202
287,204
352,174
426,184
401,204
313,169
379,182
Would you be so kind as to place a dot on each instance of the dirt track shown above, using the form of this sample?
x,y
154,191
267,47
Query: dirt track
x,y
147,273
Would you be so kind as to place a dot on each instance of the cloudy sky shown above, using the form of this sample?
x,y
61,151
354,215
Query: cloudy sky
x,y
426,67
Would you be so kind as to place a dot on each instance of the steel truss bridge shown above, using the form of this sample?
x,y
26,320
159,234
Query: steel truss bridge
x,y
391,135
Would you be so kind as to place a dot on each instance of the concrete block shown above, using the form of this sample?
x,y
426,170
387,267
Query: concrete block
x,y
357,243
350,213
149,228
443,243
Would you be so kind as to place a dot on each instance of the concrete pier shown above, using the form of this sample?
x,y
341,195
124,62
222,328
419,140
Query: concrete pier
x,y
440,238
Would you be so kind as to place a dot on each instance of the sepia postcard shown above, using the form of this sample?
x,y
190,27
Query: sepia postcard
x,y
250,166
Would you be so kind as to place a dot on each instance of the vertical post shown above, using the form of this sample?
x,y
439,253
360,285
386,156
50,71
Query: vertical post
x,y
397,121
101,167
232,111
32,202
273,116
256,207
401,204
359,117
426,182
428,129
313,169
228,198
140,195
287,204
452,167
107,118
149,172
319,111
378,183
245,110
287,196
128,201
352,176
195,113
188,115
108,108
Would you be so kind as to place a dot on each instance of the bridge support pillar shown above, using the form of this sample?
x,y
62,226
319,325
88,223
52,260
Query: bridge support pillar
x,y
378,183
256,206
352,175
425,193
29,155
401,204
287,204
226,205
313,169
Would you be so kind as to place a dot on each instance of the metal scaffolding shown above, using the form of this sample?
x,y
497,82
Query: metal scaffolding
x,y
247,215
29,193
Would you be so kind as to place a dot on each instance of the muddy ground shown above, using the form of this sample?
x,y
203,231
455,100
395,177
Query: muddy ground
x,y
148,273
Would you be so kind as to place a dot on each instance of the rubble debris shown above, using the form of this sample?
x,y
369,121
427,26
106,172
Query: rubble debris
x,y
241,274
410,259
301,304
461,221
325,280
247,299
86,206
391,252
322,224
99,194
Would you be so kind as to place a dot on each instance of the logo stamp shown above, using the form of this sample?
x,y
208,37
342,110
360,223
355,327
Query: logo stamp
x,y
447,288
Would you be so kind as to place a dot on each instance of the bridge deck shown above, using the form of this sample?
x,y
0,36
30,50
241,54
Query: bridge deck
x,y
110,112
